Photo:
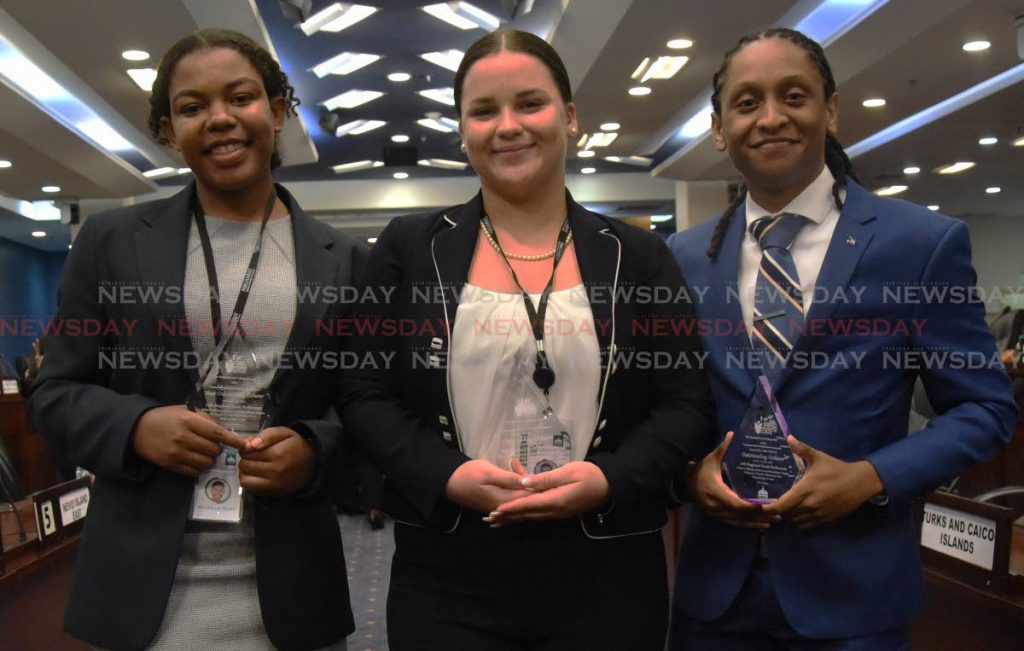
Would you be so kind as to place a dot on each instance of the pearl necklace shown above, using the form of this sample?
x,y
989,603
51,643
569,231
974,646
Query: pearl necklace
x,y
522,258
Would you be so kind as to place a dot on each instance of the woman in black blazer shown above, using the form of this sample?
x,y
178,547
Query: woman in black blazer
x,y
149,576
489,553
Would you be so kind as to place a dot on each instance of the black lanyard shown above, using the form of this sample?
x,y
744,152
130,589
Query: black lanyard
x,y
211,269
543,374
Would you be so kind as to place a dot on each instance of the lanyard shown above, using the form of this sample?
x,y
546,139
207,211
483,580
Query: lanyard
x,y
211,269
543,374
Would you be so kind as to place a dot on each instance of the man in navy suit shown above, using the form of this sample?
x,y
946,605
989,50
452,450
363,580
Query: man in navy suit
x,y
879,291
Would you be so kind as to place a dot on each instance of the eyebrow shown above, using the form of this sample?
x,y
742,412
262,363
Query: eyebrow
x,y
521,94
791,80
231,85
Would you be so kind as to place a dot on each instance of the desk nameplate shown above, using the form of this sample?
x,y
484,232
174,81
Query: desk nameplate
x,y
967,540
60,511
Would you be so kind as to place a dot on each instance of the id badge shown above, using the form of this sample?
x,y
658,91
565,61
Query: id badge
x,y
533,433
217,494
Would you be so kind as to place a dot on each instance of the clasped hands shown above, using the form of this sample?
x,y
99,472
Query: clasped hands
x,y
508,497
829,489
276,462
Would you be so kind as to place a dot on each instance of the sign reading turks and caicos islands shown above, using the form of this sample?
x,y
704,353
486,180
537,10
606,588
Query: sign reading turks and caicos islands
x,y
960,535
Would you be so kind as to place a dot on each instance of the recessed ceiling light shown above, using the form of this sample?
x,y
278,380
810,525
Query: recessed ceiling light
x,y
399,137
585,153
610,126
184,170
988,140
344,63
463,15
357,127
1019,142
447,59
875,102
399,76
588,170
680,44
933,207
954,168
913,169
890,190
38,233
639,91
135,55
371,240
143,77
995,189
661,218
51,188
583,140
660,68
444,96
976,46
351,99
4,164
336,17
401,175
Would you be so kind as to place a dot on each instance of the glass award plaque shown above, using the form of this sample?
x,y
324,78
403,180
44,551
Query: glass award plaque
x,y
228,390
759,464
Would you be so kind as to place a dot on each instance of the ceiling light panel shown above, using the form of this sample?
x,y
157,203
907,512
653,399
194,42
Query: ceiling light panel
x,y
976,46
447,59
444,96
680,44
135,55
955,168
660,68
357,127
143,77
351,99
463,15
336,17
602,139
444,125
344,63
442,163
356,166
890,190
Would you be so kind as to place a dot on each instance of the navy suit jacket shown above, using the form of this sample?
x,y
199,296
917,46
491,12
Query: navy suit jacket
x,y
847,393
138,511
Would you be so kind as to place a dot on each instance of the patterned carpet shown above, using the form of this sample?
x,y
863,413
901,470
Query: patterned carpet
x,y
368,556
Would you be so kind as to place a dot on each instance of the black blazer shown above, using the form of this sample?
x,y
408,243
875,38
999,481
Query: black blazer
x,y
651,419
138,512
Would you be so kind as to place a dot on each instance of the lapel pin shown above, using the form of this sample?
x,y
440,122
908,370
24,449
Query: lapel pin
x,y
851,241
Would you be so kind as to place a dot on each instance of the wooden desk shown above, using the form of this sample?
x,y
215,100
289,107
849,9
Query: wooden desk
x,y
30,452
34,586
958,616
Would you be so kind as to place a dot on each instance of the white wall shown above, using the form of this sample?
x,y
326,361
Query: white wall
x,y
997,248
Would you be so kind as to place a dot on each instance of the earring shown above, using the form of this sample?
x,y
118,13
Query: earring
x,y
462,146
573,131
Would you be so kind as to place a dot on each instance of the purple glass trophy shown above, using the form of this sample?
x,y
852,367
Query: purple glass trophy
x,y
759,464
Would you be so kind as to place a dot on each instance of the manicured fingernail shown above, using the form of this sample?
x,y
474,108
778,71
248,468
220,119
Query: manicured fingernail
x,y
525,481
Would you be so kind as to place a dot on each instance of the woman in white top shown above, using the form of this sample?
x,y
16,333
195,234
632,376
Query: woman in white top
x,y
543,388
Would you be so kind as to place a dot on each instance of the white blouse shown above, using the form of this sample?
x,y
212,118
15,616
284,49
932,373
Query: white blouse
x,y
492,342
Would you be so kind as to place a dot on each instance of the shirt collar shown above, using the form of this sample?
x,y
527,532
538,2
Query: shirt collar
x,y
814,202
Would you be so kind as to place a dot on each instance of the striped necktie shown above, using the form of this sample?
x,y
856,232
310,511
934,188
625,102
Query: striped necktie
x,y
778,300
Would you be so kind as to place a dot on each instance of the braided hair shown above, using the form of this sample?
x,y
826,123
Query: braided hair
x,y
835,158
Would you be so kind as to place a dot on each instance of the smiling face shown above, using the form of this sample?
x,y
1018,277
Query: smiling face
x,y
514,123
222,121
774,118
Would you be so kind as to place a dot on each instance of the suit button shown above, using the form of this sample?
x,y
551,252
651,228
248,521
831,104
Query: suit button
x,y
442,419
435,361
597,441
602,424
436,343
447,436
